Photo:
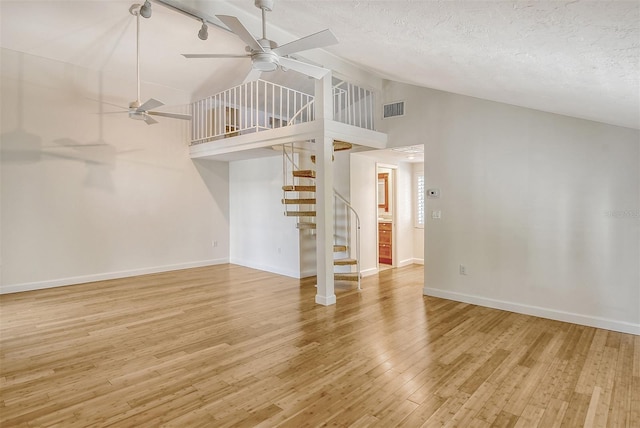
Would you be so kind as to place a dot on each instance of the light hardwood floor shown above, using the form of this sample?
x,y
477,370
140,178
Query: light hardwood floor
x,y
231,346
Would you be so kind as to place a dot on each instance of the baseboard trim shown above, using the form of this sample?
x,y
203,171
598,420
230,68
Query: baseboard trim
x,y
369,272
326,300
590,321
307,273
267,268
63,282
418,261
404,263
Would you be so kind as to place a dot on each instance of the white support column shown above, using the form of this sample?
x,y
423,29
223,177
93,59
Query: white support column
x,y
324,195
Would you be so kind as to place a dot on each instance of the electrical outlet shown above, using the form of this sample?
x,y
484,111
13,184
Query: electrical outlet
x,y
463,270
214,244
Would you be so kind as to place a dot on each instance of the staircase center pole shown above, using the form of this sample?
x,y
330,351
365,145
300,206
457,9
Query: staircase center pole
x,y
324,195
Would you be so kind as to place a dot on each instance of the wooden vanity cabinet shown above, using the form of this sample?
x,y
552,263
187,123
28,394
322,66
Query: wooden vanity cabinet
x,y
384,243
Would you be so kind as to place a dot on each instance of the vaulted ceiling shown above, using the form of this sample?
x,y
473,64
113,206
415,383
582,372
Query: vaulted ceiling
x,y
577,58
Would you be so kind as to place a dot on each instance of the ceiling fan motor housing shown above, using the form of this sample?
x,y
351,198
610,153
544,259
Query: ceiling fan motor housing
x,y
267,60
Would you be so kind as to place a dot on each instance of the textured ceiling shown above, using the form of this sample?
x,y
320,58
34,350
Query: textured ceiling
x,y
578,58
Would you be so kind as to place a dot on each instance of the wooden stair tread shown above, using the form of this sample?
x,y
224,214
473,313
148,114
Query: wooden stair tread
x,y
339,248
306,225
300,213
313,158
305,173
298,201
339,146
297,188
345,262
346,276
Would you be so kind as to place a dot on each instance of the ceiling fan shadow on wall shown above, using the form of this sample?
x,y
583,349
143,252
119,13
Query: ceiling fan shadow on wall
x,y
143,111
265,54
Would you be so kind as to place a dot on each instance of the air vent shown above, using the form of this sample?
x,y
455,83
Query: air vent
x,y
393,109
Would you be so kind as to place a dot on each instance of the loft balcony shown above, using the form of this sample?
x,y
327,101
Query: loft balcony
x,y
260,114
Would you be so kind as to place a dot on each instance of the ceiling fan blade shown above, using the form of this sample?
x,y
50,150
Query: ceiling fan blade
x,y
215,56
304,68
113,112
254,74
241,31
317,40
149,104
149,120
68,142
172,115
108,103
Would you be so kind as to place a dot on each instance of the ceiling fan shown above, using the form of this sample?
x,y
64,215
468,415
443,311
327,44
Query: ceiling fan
x,y
143,111
265,54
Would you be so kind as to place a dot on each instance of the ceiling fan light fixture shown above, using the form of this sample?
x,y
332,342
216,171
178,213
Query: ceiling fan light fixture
x,y
266,61
145,10
203,34
136,115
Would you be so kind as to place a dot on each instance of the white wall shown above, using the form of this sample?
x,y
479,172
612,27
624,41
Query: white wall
x,y
341,168
542,209
418,232
364,200
88,196
403,215
261,236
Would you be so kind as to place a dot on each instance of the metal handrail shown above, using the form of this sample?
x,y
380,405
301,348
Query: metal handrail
x,y
311,102
350,207
292,120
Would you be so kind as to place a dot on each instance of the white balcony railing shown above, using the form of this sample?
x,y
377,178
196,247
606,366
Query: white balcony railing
x,y
261,105
353,105
250,107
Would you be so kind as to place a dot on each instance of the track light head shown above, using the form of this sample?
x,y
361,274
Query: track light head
x,y
203,34
145,10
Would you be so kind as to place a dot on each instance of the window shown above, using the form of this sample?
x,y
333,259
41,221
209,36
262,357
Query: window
x,y
419,200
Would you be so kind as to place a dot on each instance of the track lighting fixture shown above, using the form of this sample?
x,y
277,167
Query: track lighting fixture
x,y
203,34
145,10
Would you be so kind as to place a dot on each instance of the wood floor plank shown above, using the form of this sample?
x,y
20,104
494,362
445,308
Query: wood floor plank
x,y
231,346
554,414
393,412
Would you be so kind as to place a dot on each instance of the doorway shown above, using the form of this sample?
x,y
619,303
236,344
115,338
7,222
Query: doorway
x,y
385,175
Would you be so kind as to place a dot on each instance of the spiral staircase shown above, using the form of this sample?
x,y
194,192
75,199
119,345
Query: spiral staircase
x,y
299,200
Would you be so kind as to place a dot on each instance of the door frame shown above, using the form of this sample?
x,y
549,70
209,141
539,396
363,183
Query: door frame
x,y
393,206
